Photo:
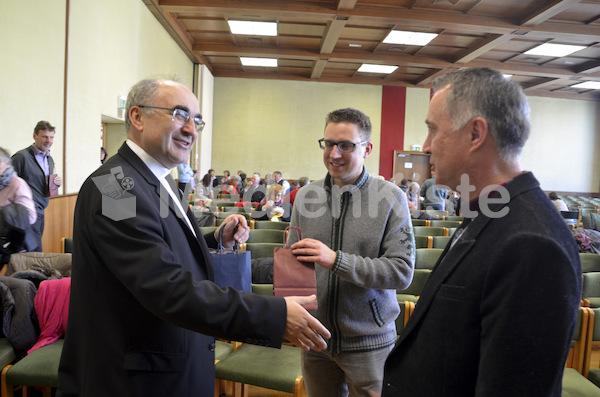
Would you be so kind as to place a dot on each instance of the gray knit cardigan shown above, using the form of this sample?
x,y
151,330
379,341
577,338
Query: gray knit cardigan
x,y
368,224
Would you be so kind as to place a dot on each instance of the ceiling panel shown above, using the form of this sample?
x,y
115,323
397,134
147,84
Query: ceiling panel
x,y
328,40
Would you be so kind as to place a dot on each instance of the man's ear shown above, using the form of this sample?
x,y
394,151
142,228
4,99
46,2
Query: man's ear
x,y
479,132
135,118
368,149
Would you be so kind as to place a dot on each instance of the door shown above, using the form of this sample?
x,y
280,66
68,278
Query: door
x,y
411,165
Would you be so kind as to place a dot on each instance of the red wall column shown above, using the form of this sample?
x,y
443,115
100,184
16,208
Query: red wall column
x,y
393,107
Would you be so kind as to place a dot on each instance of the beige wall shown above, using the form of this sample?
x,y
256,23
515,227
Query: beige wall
x,y
417,103
563,150
32,39
112,45
268,125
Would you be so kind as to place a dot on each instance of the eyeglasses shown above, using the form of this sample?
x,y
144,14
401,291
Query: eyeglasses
x,y
343,147
181,116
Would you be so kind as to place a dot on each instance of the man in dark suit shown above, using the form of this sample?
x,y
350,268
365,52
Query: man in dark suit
x,y
35,165
143,313
497,314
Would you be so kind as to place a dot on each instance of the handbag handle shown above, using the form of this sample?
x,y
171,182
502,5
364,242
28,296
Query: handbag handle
x,y
236,245
286,231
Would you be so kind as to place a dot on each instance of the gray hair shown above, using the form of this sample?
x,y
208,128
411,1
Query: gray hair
x,y
353,116
484,92
5,156
142,93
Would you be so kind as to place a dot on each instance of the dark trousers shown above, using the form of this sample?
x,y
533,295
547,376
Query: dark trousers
x,y
37,230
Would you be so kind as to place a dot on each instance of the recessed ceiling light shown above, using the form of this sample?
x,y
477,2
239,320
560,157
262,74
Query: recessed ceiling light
x,y
508,76
554,50
592,85
253,28
354,45
268,62
369,68
410,38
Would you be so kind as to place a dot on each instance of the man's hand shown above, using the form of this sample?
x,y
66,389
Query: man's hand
x,y
58,180
235,228
302,329
311,250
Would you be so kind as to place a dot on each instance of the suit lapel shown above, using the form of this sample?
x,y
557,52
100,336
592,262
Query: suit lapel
x,y
166,204
453,257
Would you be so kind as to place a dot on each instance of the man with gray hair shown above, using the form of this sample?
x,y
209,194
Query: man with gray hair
x,y
358,232
497,314
142,294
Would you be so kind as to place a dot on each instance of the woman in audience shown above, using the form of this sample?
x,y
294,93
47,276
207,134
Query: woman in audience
x,y
558,203
204,190
412,196
235,188
273,207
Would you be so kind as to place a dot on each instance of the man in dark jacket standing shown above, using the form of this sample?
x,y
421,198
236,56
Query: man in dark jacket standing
x,y
497,314
144,311
35,165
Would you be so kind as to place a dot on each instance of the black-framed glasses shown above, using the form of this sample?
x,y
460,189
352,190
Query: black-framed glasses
x,y
181,116
343,146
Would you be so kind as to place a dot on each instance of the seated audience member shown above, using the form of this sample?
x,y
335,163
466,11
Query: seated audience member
x,y
185,176
204,189
254,192
214,181
452,202
244,181
403,185
434,196
296,185
273,206
226,178
235,188
17,210
412,196
278,178
269,179
558,203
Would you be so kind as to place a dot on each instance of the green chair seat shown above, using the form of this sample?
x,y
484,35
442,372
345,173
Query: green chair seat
x,y
222,349
426,258
271,225
262,250
265,236
275,369
39,368
7,353
594,376
441,241
576,385
422,241
406,298
263,289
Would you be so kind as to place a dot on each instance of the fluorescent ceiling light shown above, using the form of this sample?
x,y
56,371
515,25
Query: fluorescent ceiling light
x,y
367,68
253,28
508,76
268,62
554,50
409,38
592,85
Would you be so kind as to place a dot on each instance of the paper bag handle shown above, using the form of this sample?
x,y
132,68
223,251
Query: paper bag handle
x,y
286,231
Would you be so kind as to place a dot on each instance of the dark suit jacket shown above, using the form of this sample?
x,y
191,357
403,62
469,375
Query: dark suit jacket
x,y
142,308
497,314
27,167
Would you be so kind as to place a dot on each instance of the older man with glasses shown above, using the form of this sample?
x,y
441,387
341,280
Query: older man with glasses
x,y
358,232
144,312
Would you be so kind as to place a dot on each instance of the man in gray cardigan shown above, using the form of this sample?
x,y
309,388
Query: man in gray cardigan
x,y
357,230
